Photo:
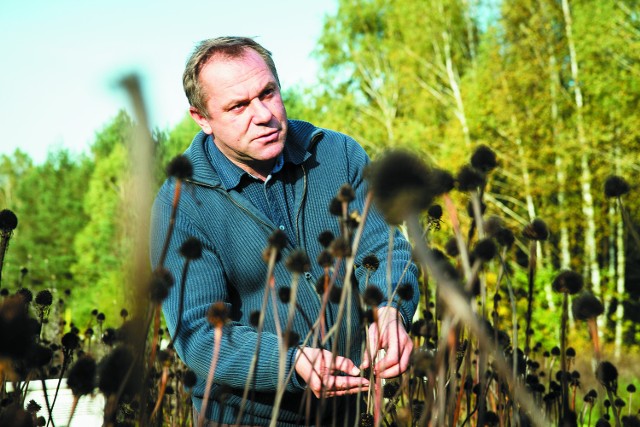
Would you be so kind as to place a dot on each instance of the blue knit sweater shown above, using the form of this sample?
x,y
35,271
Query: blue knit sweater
x,y
234,234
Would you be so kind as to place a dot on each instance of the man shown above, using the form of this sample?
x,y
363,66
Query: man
x,y
255,172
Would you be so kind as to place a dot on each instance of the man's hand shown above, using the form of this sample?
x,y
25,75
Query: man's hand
x,y
388,334
318,368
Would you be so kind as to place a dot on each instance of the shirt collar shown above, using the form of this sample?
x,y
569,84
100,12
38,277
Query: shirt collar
x,y
230,174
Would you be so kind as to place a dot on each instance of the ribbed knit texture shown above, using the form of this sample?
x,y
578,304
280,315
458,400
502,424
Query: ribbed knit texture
x,y
234,233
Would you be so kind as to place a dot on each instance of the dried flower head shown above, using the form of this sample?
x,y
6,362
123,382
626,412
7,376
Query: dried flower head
x,y
607,375
325,259
278,239
435,211
568,282
346,193
254,318
401,184
485,250
325,238
298,261
191,248
469,178
372,296
44,298
284,294
586,306
505,237
335,207
113,368
536,230
340,247
180,167
189,378
82,376
371,262
159,285
218,314
8,221
335,293
405,292
484,159
441,181
615,186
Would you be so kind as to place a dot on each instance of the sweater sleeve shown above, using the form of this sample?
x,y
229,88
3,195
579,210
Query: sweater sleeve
x,y
375,240
205,283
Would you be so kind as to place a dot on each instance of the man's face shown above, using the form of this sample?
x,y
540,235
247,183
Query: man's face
x,y
246,116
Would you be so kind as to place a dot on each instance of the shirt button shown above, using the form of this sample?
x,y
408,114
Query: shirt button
x,y
281,227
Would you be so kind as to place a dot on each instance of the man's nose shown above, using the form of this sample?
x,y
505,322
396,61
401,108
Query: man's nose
x,y
261,112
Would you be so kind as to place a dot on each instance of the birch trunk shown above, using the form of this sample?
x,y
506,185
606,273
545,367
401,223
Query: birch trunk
x,y
592,267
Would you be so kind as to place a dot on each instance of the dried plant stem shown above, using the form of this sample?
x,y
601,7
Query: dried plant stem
x,y
74,404
629,223
531,280
161,390
458,303
593,331
217,337
563,355
273,254
172,222
455,224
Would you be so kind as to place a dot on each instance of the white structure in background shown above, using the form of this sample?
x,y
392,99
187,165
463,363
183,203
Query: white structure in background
x,y
89,411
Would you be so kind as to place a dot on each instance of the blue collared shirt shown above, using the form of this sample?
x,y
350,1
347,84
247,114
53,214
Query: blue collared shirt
x,y
272,196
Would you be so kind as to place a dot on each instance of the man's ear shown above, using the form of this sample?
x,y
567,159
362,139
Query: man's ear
x,y
200,120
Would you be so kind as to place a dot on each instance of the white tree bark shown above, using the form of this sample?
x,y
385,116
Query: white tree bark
x,y
592,267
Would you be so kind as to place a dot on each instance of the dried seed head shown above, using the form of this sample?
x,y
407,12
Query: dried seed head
x,y
191,249
401,184
180,167
254,318
371,262
278,239
189,378
505,237
298,261
441,181
568,282
82,376
484,159
325,238
607,375
469,178
159,285
615,186
291,339
325,259
485,250
70,341
113,369
451,247
8,221
335,207
536,230
346,193
284,294
372,296
335,294
405,292
340,247
435,211
218,314
586,306
44,298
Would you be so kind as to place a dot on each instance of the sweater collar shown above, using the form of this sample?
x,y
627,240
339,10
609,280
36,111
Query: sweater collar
x,y
301,137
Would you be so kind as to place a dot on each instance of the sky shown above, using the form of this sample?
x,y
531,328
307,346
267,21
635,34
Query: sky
x,y
61,60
